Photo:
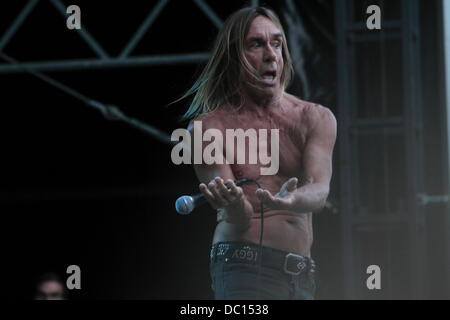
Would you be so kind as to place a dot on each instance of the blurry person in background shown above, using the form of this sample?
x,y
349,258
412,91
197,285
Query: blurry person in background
x,y
50,286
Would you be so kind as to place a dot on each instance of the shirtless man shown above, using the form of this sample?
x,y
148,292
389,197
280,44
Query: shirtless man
x,y
243,86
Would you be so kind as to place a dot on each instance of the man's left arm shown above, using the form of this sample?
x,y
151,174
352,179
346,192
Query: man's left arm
x,y
317,163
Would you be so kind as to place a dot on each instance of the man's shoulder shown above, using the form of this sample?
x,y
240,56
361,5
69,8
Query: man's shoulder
x,y
310,112
212,119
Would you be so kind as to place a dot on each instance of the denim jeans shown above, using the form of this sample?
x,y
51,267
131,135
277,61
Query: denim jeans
x,y
238,280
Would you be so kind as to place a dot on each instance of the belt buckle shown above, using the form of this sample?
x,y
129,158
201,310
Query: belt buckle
x,y
300,265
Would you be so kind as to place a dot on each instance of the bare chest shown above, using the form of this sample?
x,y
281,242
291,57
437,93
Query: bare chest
x,y
264,148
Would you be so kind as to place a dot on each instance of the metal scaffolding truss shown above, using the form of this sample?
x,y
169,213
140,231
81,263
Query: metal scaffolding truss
x,y
356,221
103,59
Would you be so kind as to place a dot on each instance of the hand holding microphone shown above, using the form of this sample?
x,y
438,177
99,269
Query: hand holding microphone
x,y
218,193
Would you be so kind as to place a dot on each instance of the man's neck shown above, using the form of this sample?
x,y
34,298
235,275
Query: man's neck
x,y
266,100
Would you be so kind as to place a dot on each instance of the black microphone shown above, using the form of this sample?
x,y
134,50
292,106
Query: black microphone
x,y
186,204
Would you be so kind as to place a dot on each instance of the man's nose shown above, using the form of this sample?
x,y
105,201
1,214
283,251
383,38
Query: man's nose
x,y
269,54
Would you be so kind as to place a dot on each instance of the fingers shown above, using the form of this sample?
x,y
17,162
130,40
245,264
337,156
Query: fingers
x,y
223,190
208,196
288,186
218,199
273,202
220,194
234,190
291,184
267,198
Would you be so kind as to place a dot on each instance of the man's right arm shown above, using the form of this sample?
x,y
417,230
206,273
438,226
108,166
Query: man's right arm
x,y
218,187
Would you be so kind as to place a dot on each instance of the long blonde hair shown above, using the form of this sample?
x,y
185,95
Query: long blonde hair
x,y
221,80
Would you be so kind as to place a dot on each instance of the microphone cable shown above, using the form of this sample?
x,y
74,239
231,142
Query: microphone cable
x,y
261,232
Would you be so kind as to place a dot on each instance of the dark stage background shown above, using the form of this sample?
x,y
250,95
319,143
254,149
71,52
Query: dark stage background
x,y
78,189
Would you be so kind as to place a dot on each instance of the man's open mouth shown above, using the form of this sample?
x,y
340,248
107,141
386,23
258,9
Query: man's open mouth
x,y
269,75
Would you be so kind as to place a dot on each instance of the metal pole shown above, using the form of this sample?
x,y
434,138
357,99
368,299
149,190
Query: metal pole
x,y
209,13
255,3
106,63
17,23
344,101
143,28
84,34
446,44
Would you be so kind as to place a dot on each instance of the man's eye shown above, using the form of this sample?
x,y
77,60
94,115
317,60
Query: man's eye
x,y
256,44
277,44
